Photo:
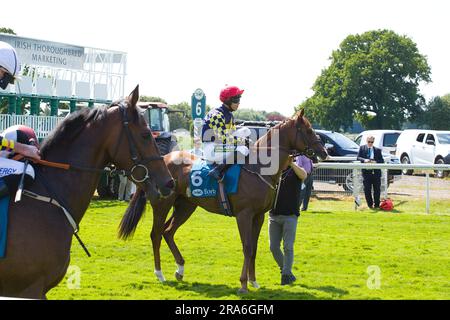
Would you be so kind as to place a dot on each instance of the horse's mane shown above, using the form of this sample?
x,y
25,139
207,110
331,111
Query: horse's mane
x,y
67,130
268,135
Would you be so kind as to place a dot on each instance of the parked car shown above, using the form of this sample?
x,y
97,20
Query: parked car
x,y
415,146
386,140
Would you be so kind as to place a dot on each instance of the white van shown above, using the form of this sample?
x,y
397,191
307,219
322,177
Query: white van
x,y
417,146
384,139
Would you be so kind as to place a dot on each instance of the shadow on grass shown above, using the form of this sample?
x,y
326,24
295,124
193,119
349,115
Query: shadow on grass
x,y
107,203
320,212
328,289
217,291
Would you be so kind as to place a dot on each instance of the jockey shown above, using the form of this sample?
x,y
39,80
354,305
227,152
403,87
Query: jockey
x,y
16,139
221,143
9,69
9,65
21,140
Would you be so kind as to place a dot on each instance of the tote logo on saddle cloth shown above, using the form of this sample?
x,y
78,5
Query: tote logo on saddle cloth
x,y
204,186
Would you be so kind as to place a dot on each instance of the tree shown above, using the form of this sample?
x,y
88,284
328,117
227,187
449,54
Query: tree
x,y
249,115
180,120
436,115
374,78
275,116
151,99
7,30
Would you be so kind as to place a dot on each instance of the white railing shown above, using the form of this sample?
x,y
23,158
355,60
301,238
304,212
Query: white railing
x,y
42,125
356,168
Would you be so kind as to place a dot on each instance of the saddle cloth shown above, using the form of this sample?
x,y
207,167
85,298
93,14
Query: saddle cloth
x,y
9,167
4,204
9,170
204,186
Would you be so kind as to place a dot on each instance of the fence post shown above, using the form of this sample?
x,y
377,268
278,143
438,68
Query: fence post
x,y
428,193
19,105
34,105
12,104
54,107
73,105
356,186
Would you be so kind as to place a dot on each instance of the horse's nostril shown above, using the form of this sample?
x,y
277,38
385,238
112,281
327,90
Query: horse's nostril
x,y
170,184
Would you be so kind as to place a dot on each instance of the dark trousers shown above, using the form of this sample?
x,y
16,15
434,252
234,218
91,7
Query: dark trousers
x,y
305,194
370,181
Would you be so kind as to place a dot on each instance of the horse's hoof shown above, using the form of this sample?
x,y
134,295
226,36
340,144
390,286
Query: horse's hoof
x,y
160,276
178,276
255,284
242,291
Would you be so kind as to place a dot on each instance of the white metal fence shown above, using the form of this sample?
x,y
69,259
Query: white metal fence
x,y
349,177
41,124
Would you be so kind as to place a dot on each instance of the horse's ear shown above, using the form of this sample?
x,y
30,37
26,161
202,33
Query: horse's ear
x,y
133,98
302,112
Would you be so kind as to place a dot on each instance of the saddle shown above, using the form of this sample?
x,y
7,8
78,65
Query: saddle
x,y
202,185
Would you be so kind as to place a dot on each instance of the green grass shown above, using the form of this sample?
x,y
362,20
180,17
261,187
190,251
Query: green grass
x,y
335,246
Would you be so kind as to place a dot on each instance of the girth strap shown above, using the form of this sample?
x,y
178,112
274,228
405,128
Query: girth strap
x,y
55,203
66,213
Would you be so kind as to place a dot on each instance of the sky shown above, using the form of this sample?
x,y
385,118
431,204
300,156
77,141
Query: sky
x,y
274,50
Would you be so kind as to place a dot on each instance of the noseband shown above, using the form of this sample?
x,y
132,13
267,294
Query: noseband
x,y
138,160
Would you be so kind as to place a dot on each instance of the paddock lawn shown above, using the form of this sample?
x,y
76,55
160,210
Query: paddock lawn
x,y
335,249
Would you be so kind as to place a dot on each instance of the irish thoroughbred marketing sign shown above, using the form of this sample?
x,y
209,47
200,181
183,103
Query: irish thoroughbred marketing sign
x,y
46,53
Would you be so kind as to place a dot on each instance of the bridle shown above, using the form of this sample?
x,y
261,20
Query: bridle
x,y
138,160
309,152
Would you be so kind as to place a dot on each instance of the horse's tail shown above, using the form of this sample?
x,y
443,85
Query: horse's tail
x,y
134,213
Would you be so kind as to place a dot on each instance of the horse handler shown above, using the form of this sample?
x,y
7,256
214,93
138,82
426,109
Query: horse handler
x,y
283,219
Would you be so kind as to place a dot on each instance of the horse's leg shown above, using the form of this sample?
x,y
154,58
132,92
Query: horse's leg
x,y
258,221
160,212
244,221
183,209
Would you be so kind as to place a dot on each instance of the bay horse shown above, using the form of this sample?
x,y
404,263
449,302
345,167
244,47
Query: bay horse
x,y
256,194
39,233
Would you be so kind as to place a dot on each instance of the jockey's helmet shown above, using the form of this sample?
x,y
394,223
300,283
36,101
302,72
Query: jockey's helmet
x,y
229,92
10,62
21,134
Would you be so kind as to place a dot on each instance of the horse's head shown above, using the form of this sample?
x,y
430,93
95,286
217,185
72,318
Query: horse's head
x,y
304,138
134,149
